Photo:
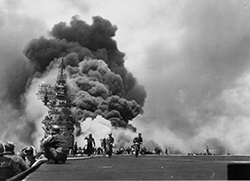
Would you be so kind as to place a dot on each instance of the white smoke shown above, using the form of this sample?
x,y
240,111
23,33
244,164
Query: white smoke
x,y
34,108
98,127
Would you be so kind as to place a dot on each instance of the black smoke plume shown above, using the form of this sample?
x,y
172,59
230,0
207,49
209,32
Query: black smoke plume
x,y
98,80
95,41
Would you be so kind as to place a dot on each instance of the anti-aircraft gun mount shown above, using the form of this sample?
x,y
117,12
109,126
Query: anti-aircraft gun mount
x,y
56,100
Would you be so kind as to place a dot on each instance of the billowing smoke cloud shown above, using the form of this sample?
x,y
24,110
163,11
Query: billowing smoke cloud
x,y
197,79
191,56
98,82
94,41
114,96
15,71
98,91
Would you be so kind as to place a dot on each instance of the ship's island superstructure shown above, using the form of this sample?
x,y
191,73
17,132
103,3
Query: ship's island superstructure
x,y
55,98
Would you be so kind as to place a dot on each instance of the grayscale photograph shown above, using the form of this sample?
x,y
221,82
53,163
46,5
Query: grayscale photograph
x,y
124,90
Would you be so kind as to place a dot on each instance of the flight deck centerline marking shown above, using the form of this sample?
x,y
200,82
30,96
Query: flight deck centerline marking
x,y
105,166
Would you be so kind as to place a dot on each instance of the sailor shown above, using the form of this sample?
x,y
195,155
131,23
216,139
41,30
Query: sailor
x,y
110,143
104,146
207,151
75,149
30,154
137,143
19,164
90,144
55,147
128,150
7,168
166,151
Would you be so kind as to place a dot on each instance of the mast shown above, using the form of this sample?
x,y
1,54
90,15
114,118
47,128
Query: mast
x,y
55,98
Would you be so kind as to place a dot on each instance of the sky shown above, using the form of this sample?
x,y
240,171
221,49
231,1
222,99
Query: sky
x,y
191,56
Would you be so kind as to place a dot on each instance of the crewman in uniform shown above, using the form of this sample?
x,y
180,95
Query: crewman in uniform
x,y
7,169
75,148
90,144
104,146
110,142
19,164
207,151
30,154
137,142
55,146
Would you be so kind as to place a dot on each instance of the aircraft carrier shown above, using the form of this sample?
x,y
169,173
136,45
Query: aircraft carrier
x,y
144,167
123,166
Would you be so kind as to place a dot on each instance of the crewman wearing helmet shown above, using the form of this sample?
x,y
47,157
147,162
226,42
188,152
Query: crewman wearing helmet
x,y
55,146
9,148
7,168
90,144
104,146
110,143
10,164
30,154
19,164
137,143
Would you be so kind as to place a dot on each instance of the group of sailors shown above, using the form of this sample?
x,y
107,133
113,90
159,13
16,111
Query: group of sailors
x,y
54,149
108,144
13,163
107,147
